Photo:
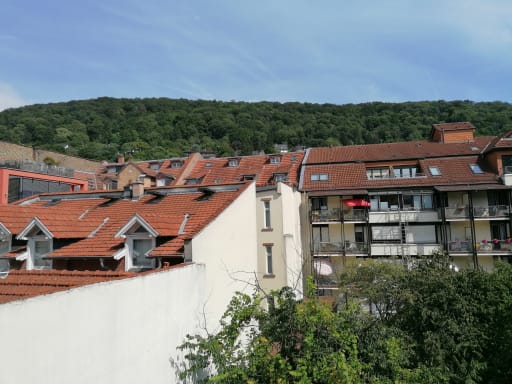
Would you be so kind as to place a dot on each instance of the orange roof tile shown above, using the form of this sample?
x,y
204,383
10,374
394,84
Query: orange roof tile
x,y
22,284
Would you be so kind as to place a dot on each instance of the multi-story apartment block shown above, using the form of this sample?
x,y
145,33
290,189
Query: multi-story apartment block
x,y
450,193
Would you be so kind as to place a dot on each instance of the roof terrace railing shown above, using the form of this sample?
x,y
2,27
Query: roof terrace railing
x,y
34,166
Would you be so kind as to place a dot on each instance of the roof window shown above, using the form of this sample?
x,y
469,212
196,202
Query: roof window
x,y
155,166
434,171
233,162
176,164
280,177
475,168
275,159
377,173
319,177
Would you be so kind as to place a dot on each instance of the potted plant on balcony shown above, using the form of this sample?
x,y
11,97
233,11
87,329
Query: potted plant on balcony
x,y
507,244
485,246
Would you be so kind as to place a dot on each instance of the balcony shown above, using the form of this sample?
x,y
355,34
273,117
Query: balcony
x,y
406,249
33,166
356,214
394,215
483,247
336,248
479,212
325,215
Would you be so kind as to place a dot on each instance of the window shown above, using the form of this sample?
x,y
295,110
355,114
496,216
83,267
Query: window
x,y
507,163
176,164
319,177
319,203
475,168
193,181
248,177
280,177
405,172
5,240
39,248
434,171
275,159
112,169
154,166
266,214
232,162
141,246
377,173
268,257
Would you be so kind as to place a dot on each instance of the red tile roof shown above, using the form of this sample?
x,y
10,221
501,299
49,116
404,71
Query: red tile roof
x,y
395,151
96,221
22,284
217,170
457,126
353,175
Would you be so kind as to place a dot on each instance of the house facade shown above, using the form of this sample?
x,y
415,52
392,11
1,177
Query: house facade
x,y
404,200
103,286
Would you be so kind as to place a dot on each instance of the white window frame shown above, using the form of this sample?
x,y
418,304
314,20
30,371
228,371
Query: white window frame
x,y
275,159
129,263
319,176
233,163
269,262
267,220
31,259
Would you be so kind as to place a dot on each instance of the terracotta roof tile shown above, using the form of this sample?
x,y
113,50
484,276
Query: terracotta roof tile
x,y
395,151
21,284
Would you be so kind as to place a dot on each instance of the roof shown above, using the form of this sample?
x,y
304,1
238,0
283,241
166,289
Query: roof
x,y
22,284
218,170
457,126
395,151
352,176
93,220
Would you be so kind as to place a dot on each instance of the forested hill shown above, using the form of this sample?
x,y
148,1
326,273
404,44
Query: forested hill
x,y
160,128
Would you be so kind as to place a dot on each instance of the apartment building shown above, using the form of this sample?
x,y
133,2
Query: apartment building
x,y
409,199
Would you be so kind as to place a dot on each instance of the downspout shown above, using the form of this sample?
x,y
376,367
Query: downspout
x,y
473,232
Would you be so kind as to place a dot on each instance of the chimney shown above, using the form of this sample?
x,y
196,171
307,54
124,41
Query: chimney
x,y
138,187
120,159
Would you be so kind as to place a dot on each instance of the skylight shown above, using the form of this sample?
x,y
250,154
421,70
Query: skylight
x,y
434,171
475,168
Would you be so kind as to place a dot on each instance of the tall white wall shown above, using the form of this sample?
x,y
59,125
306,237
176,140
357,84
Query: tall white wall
x,y
227,246
122,331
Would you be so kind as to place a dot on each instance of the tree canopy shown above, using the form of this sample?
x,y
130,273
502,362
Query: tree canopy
x,y
159,127
429,324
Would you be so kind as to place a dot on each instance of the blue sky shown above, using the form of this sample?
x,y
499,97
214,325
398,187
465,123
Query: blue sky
x,y
324,51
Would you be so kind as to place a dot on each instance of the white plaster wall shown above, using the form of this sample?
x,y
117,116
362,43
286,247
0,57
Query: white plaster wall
x,y
122,331
294,257
227,246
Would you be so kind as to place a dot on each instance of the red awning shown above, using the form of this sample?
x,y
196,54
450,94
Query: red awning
x,y
356,203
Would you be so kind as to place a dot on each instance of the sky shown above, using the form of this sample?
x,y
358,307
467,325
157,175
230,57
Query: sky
x,y
323,51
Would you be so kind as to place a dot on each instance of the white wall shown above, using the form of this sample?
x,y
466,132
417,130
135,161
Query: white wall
x,y
122,331
228,247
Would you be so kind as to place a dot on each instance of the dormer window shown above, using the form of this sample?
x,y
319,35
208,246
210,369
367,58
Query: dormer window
x,y
176,164
39,244
405,171
5,240
193,180
275,159
112,169
377,173
248,177
140,240
280,177
233,162
155,166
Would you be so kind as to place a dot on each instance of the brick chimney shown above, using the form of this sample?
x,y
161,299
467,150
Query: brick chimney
x,y
120,159
138,187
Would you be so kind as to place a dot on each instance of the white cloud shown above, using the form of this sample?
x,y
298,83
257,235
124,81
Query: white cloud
x,y
9,98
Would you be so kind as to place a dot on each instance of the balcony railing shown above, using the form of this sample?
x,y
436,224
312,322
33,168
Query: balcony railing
x,y
324,215
33,166
356,214
484,246
478,211
337,247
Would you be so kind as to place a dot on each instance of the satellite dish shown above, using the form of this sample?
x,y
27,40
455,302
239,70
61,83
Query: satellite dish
x,y
323,267
4,268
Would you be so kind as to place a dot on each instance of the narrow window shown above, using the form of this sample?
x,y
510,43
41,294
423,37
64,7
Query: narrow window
x,y
266,207
268,253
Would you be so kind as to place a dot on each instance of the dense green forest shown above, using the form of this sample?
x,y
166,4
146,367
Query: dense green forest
x,y
159,127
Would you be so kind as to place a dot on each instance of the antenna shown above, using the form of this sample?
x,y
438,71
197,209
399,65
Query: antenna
x,y
4,268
